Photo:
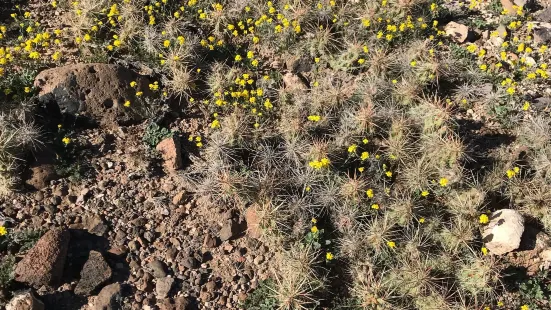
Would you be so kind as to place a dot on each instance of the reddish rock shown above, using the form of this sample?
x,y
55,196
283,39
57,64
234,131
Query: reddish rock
x,y
171,152
253,223
43,264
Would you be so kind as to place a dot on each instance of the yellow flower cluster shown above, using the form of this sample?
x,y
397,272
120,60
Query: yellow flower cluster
x,y
511,173
320,164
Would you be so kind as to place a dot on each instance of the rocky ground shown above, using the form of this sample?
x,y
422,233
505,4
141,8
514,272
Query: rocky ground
x,y
126,230
110,220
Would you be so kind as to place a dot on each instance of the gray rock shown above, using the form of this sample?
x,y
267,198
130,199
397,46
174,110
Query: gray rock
x,y
109,298
542,32
158,268
504,231
43,264
149,236
25,301
163,287
95,273
544,15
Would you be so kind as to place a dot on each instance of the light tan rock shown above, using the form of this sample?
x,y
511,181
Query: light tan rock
x,y
504,231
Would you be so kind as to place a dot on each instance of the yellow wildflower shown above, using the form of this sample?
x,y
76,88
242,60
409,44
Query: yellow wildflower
x,y
483,219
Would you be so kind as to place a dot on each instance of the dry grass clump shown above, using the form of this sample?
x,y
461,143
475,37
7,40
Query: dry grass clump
x,y
18,136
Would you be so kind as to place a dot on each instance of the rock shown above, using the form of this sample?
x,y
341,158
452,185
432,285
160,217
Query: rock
x,y
171,152
95,225
95,273
504,231
43,264
145,283
158,268
179,198
521,3
40,176
543,15
182,303
210,286
293,82
228,231
533,252
457,31
166,304
163,287
542,32
190,262
210,241
298,64
502,31
95,90
253,223
109,298
25,301
508,5
258,260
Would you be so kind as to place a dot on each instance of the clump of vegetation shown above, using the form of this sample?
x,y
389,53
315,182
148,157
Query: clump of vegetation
x,y
536,292
155,134
261,298
7,268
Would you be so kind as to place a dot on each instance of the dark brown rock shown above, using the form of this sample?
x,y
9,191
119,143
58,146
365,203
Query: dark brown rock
x,y
171,152
182,303
43,264
95,273
40,176
210,241
158,268
94,90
